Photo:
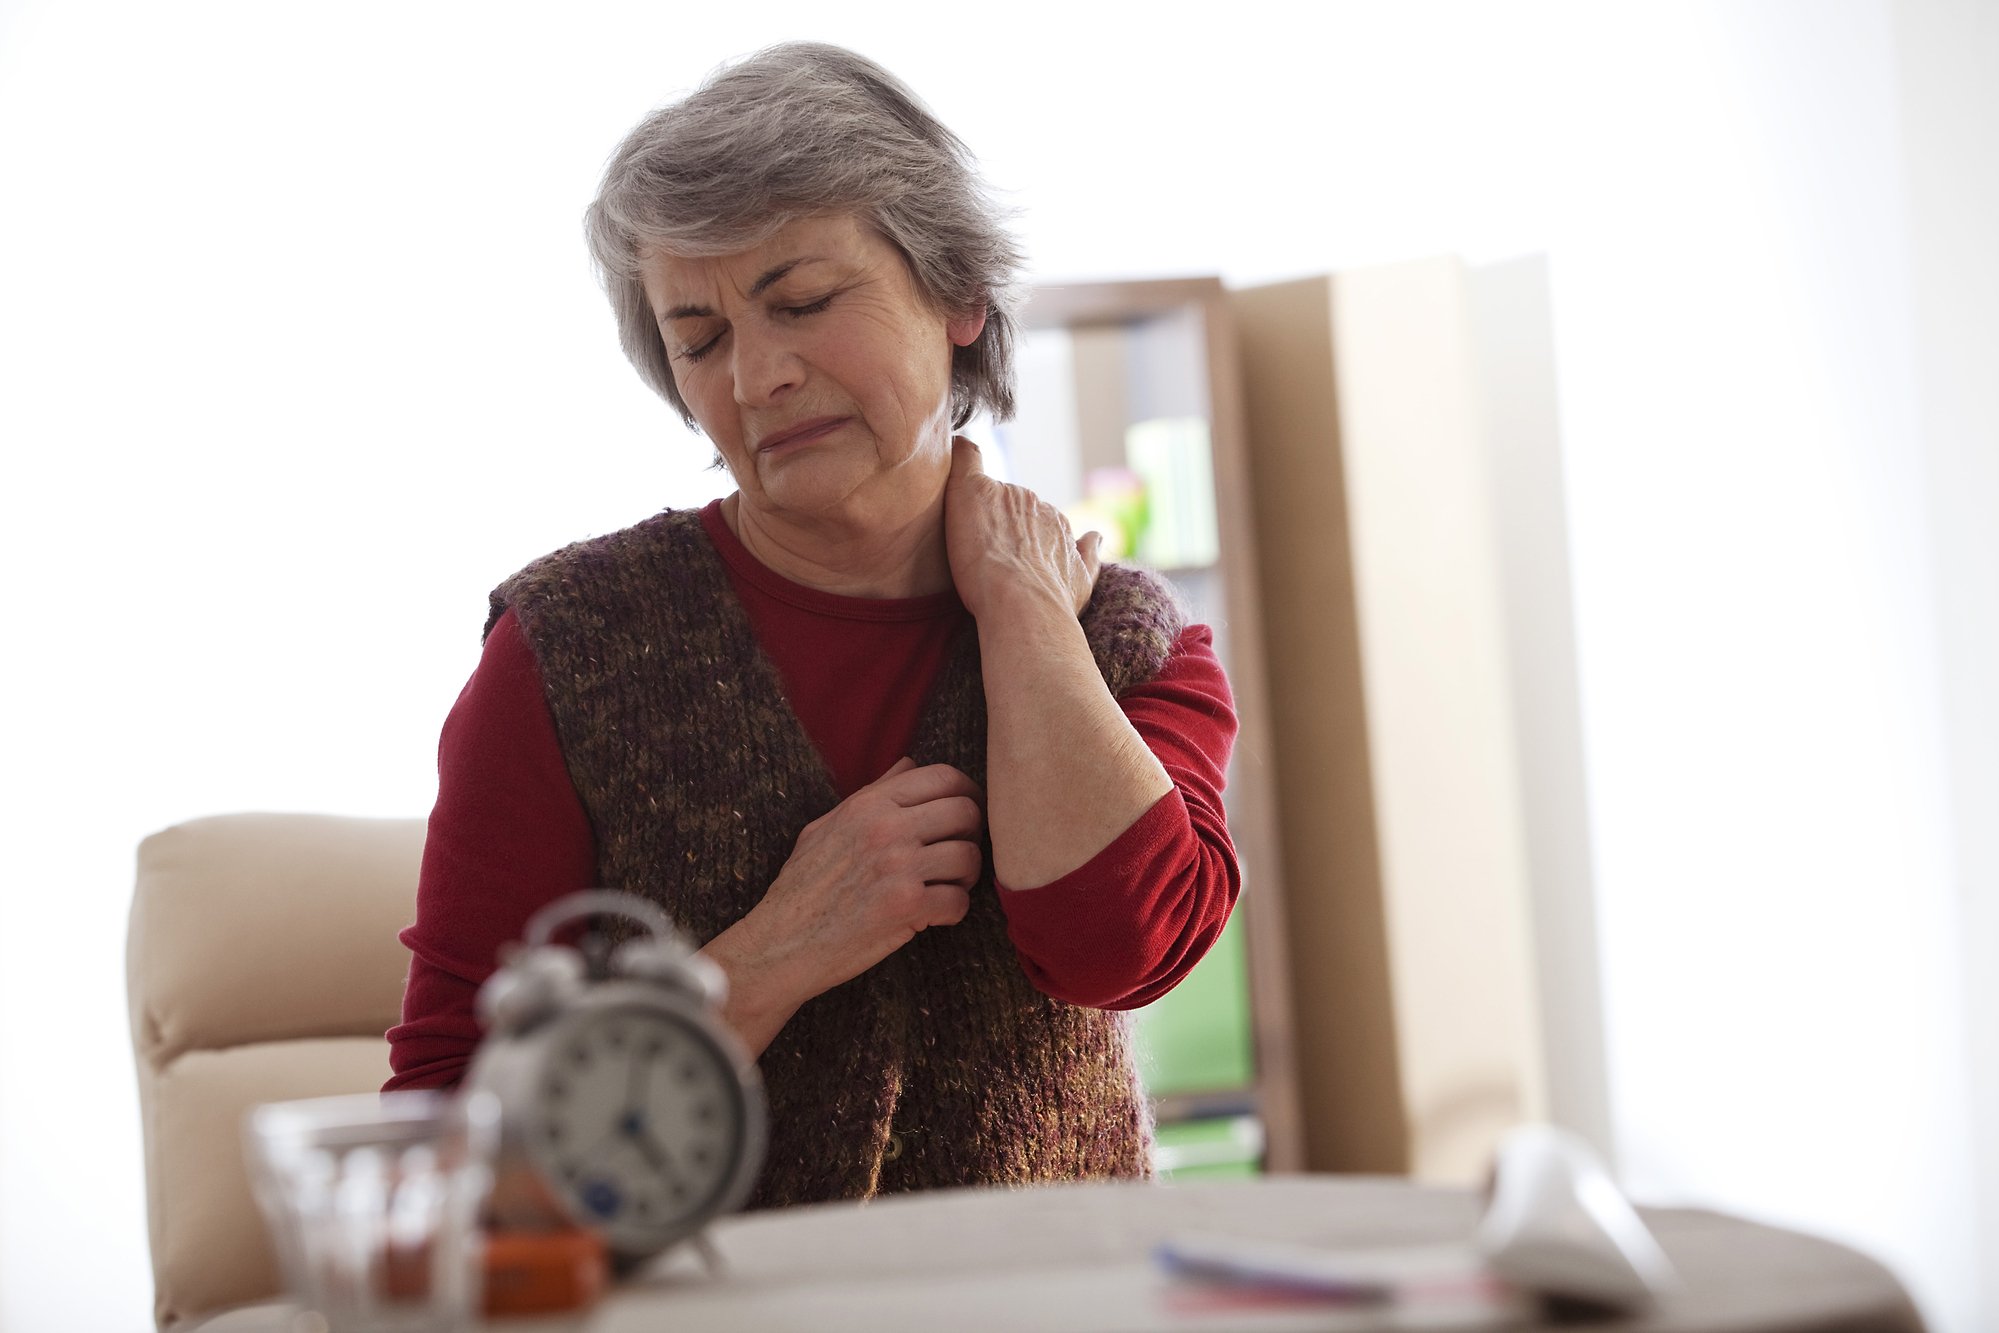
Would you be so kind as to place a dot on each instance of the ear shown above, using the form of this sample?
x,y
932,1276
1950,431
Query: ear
x,y
965,330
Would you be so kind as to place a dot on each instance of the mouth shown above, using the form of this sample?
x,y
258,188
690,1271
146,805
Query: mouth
x,y
799,435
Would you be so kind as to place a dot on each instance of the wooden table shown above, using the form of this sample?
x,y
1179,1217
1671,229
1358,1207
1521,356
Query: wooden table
x,y
1078,1259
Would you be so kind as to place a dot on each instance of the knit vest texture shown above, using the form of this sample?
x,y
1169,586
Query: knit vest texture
x,y
939,1066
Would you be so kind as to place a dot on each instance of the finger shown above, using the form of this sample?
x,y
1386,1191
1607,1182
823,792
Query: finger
x,y
966,460
895,770
953,862
940,820
945,904
914,786
1091,549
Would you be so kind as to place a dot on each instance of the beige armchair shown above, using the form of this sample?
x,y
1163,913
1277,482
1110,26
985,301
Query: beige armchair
x,y
262,964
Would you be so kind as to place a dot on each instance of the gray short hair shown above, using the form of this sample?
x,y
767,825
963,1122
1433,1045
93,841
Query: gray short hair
x,y
798,129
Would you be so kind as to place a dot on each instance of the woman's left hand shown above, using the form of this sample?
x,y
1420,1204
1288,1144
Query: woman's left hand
x,y
1010,549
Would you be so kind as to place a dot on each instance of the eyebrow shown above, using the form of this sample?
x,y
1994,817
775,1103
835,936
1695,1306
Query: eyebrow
x,y
757,288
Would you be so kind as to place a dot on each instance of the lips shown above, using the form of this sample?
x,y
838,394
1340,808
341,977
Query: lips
x,y
800,433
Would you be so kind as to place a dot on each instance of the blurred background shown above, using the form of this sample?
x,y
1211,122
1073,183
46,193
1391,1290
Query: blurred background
x,y
300,354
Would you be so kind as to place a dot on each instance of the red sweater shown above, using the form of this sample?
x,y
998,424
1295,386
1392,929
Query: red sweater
x,y
509,834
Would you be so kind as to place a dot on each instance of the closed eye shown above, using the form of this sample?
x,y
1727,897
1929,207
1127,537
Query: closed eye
x,y
796,311
696,353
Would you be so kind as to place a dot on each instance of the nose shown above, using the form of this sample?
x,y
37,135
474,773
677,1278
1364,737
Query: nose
x,y
764,366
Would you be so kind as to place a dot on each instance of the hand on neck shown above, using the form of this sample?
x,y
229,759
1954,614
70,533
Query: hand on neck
x,y
848,554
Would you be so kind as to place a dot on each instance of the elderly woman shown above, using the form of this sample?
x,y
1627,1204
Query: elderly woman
x,y
797,718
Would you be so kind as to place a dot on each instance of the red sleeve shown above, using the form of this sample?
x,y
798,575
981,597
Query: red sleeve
x,y
507,835
1128,925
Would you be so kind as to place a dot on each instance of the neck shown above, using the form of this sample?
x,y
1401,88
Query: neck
x,y
900,559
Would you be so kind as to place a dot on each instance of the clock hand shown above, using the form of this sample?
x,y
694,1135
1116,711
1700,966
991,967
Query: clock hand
x,y
635,1086
634,1127
634,1110
653,1151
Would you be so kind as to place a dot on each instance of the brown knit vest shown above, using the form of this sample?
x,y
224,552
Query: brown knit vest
x,y
941,1065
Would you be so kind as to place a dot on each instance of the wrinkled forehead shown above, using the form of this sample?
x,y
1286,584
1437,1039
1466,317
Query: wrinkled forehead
x,y
679,282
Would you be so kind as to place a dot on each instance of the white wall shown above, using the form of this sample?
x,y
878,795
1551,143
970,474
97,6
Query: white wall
x,y
299,354
1948,63
1759,673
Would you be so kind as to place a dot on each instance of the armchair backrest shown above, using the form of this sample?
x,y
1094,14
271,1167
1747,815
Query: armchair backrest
x,y
261,965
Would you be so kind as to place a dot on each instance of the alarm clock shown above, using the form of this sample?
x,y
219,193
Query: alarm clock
x,y
626,1105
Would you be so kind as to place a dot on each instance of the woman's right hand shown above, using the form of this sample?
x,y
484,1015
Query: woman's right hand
x,y
898,856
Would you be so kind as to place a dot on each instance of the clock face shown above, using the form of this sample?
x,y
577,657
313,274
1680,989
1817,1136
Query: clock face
x,y
641,1122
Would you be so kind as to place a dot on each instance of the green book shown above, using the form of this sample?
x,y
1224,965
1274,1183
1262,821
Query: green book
x,y
1197,1037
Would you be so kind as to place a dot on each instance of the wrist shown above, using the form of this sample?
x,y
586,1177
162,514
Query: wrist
x,y
762,995
1027,614
1017,594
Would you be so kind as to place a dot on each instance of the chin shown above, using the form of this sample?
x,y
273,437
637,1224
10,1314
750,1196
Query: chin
x,y
813,481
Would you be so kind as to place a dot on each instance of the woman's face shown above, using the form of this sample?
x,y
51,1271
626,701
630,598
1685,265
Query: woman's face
x,y
817,369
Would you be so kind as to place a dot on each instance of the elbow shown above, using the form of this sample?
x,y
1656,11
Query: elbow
x,y
1088,988
442,1075
1127,960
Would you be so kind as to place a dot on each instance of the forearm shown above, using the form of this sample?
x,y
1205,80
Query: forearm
x,y
1066,772
1129,924
762,998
